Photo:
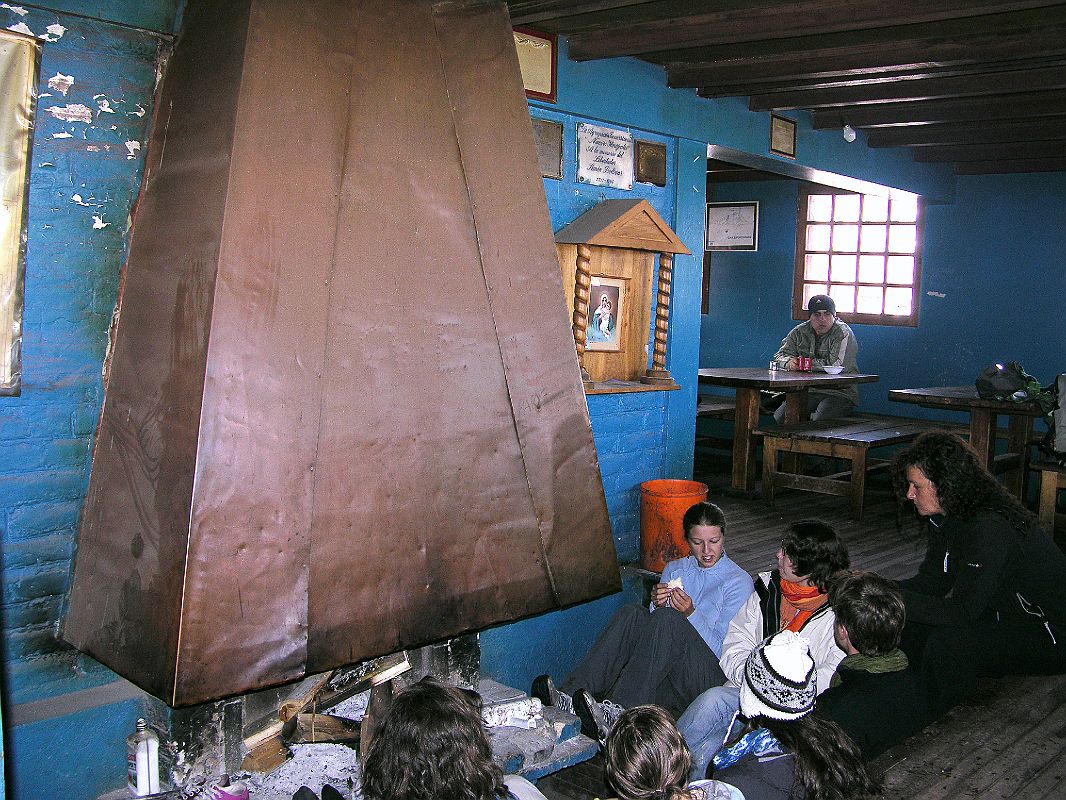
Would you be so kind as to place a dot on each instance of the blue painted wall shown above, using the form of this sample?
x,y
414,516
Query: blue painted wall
x,y
991,288
84,179
984,253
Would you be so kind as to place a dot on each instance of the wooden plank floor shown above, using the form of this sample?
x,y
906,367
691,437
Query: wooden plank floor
x,y
1009,742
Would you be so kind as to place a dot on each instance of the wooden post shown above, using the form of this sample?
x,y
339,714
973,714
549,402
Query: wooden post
x,y
658,373
582,286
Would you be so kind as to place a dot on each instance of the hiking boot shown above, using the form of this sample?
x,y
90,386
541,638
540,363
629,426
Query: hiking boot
x,y
597,718
543,689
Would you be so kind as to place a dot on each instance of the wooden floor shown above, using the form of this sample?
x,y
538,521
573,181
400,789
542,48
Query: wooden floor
x,y
1009,742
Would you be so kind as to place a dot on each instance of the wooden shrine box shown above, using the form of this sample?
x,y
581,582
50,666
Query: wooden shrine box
x,y
607,258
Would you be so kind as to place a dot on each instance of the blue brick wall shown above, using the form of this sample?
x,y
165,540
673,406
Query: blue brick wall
x,y
84,178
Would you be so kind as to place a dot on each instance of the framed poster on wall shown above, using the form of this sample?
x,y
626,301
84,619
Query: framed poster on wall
x,y
733,226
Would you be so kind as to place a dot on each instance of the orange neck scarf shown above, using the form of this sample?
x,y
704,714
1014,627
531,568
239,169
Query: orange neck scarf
x,y
798,603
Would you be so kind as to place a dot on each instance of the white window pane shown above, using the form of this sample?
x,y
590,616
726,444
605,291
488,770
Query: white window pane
x,y
905,209
846,238
818,238
811,289
872,269
870,300
816,267
842,269
874,209
874,238
898,301
844,297
846,208
820,207
902,238
901,269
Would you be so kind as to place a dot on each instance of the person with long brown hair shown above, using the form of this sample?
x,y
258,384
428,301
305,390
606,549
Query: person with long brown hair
x,y
787,751
647,759
431,745
989,598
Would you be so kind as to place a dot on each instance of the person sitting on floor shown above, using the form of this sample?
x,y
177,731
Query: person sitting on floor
x,y
874,696
667,654
431,745
792,597
647,759
990,597
786,749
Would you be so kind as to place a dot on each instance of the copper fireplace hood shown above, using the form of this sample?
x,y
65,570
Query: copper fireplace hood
x,y
344,414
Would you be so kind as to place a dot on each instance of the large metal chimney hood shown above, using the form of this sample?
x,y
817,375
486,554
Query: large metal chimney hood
x,y
344,414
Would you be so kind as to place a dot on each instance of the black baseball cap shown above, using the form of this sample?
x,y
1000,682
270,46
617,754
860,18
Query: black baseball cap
x,y
821,302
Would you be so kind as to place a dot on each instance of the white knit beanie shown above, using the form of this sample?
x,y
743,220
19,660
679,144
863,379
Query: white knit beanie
x,y
779,678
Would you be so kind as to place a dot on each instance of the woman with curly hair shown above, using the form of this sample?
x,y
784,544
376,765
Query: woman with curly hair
x,y
647,759
989,598
431,745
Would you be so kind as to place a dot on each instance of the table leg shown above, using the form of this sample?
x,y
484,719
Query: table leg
x,y
795,411
1019,431
796,407
745,420
983,434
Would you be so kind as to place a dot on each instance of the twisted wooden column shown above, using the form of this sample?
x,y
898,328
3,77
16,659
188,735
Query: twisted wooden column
x,y
582,287
657,373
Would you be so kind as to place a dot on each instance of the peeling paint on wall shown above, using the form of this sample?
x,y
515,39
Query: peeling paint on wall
x,y
14,9
61,83
132,148
99,223
53,33
74,112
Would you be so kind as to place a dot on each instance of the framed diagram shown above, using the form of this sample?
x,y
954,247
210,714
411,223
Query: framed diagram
x,y
733,226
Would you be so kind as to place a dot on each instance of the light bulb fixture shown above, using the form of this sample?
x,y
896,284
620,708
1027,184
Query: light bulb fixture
x,y
849,133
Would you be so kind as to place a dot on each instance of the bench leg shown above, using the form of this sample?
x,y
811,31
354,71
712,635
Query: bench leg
x,y
858,480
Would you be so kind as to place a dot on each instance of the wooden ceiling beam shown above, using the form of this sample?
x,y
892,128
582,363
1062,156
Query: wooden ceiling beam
x,y
648,28
925,72
870,62
552,16
989,152
1011,165
1028,104
983,132
946,41
912,89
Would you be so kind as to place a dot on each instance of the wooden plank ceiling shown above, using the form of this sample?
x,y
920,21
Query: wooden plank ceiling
x,y
979,83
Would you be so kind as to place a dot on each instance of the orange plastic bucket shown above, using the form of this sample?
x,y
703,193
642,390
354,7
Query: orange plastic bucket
x,y
663,504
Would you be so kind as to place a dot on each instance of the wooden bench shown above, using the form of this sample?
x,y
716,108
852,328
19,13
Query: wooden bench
x,y
846,438
709,406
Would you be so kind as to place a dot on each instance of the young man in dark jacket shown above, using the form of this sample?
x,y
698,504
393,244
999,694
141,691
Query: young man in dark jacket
x,y
875,696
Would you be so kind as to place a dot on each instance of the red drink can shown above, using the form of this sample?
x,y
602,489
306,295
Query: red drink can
x,y
804,364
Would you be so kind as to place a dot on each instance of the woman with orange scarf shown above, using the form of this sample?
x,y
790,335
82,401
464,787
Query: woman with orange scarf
x,y
792,597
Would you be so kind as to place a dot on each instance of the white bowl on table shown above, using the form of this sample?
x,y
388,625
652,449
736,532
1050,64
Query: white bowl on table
x,y
833,370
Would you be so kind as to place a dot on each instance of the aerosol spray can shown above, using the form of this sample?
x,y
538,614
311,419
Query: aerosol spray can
x,y
142,760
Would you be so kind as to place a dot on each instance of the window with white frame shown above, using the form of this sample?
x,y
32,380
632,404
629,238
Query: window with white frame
x,y
863,251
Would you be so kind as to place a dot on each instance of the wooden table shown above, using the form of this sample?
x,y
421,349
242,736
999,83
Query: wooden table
x,y
749,382
983,415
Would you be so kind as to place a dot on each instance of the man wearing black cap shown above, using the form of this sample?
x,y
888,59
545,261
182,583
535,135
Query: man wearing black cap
x,y
825,340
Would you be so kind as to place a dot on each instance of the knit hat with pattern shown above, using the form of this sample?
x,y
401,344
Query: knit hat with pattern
x,y
779,679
